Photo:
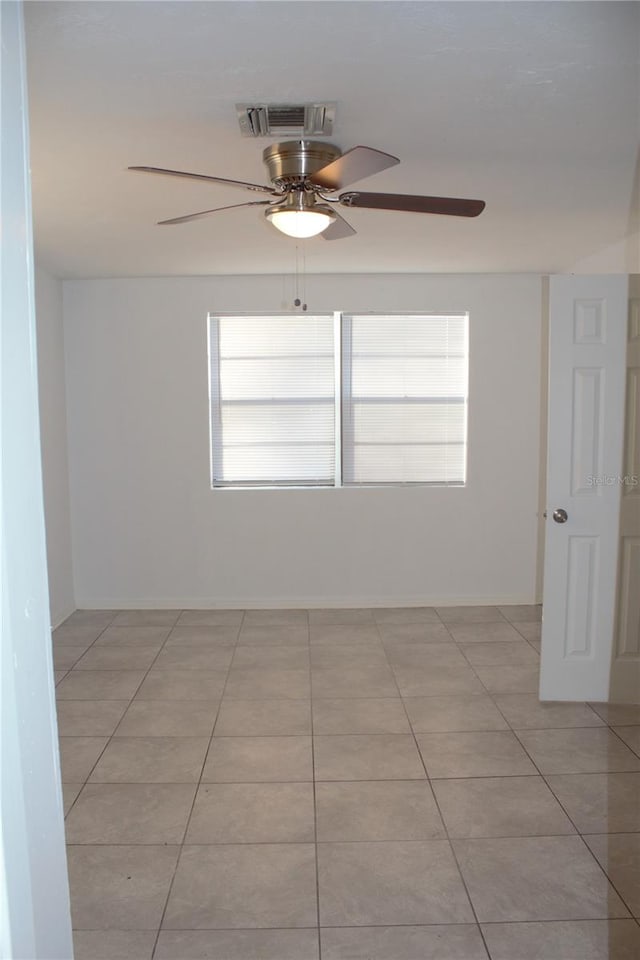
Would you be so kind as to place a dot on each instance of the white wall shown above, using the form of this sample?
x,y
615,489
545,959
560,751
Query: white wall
x,y
53,433
147,528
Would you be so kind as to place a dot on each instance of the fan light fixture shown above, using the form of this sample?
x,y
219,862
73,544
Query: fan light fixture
x,y
300,216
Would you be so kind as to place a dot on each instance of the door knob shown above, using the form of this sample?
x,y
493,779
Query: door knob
x,y
560,515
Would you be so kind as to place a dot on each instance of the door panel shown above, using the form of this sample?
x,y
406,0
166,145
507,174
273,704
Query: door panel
x,y
587,334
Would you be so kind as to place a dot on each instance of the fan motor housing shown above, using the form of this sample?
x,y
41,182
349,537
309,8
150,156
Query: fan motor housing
x,y
294,160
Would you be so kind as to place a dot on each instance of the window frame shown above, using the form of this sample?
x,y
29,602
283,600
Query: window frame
x,y
343,406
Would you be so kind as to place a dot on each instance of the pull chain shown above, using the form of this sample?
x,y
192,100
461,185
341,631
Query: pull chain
x,y
297,301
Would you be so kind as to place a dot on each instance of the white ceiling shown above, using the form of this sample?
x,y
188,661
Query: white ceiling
x,y
530,106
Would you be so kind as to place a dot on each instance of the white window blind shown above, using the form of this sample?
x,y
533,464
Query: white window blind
x,y
272,400
339,400
404,399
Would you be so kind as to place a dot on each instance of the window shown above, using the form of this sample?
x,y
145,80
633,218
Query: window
x,y
338,400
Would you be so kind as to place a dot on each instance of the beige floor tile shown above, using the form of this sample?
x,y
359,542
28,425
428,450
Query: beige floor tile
x,y
212,636
501,632
90,618
89,718
262,683
237,945
537,878
453,714
79,755
258,760
360,716
256,655
390,883
414,633
119,657
275,618
151,760
400,615
66,655
585,750
500,807
619,856
517,613
210,618
75,635
510,679
631,736
244,886
518,653
113,944
70,793
143,813
286,635
377,810
437,942
530,631
119,887
178,684
425,656
600,802
82,630
146,618
524,711
253,813
379,757
348,615
469,614
564,940
132,636
59,675
194,656
357,681
340,655
263,718
474,754
100,685
618,714
344,633
437,681
168,718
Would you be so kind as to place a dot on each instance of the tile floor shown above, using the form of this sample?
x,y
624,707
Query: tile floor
x,y
340,784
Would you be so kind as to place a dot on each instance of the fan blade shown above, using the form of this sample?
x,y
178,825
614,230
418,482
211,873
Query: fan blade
x,y
205,213
338,229
355,164
448,206
202,176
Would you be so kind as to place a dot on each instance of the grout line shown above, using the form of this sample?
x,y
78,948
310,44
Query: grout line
x,y
636,753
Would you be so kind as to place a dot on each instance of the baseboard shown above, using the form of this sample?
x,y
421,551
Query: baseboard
x,y
292,603
58,617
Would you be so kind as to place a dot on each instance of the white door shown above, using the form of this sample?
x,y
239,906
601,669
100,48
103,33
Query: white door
x,y
587,346
35,923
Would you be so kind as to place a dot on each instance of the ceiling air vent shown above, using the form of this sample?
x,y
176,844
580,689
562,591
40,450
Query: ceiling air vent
x,y
286,119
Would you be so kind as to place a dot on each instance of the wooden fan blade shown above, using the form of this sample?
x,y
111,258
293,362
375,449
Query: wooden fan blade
x,y
355,164
202,176
449,206
338,229
205,213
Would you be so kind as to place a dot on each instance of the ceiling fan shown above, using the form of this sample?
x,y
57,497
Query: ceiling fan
x,y
303,172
